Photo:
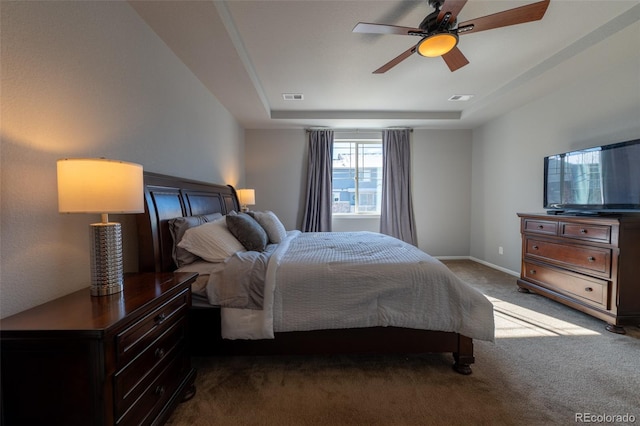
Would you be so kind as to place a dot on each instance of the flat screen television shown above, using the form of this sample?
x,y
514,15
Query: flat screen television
x,y
599,180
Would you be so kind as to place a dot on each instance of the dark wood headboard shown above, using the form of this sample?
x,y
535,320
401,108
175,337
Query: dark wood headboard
x,y
168,197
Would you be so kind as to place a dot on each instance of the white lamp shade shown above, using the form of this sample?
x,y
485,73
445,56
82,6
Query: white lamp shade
x,y
98,185
247,197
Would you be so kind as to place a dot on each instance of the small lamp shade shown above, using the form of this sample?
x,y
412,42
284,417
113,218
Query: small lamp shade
x,y
98,185
247,197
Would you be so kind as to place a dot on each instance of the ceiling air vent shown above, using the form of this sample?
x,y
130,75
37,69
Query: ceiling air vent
x,y
460,98
293,96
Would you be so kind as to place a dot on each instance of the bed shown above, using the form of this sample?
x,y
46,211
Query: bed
x,y
168,198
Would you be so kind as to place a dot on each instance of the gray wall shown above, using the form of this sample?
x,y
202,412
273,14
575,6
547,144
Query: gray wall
x,y
275,162
441,179
90,79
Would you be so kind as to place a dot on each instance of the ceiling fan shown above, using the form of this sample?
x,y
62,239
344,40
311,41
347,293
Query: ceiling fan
x,y
439,30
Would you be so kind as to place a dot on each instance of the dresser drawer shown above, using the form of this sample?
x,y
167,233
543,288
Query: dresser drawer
x,y
590,259
596,233
158,392
132,381
140,335
547,227
587,289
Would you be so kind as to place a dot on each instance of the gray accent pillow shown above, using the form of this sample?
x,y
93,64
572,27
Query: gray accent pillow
x,y
273,227
247,231
177,228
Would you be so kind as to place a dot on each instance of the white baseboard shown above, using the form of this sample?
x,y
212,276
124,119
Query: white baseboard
x,y
485,263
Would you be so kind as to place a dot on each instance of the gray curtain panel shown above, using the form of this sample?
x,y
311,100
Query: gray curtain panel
x,y
317,213
396,216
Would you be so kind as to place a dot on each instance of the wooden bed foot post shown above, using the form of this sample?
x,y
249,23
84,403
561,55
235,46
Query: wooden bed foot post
x,y
464,369
464,356
615,329
189,393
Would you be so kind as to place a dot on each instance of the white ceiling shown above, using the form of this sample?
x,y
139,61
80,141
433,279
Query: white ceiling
x,y
248,53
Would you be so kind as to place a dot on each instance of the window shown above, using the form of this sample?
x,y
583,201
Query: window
x,y
357,176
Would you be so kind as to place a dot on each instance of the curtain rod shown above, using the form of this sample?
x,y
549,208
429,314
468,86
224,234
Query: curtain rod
x,y
358,130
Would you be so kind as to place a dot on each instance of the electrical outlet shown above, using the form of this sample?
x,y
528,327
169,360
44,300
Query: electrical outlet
x,y
500,250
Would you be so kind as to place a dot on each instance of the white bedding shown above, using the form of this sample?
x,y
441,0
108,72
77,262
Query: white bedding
x,y
357,279
204,270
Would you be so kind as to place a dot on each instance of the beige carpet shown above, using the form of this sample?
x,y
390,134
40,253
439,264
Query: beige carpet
x,y
548,365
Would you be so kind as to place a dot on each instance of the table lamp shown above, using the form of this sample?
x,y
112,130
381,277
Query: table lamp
x,y
246,197
99,185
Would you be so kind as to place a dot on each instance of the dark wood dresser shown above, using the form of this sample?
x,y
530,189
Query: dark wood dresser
x,y
589,263
111,360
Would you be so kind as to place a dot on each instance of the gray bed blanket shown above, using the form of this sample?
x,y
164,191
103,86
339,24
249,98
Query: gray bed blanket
x,y
314,281
241,282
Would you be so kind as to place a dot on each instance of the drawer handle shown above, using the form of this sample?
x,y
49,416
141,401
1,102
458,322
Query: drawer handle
x,y
159,390
540,226
159,353
583,231
160,318
535,247
588,289
532,271
591,259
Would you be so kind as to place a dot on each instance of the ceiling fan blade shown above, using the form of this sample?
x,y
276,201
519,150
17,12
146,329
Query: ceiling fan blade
x,y
455,59
367,28
519,15
395,61
453,6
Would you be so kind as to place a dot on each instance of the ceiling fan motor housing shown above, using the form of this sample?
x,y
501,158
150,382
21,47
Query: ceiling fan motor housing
x,y
430,24
438,36
436,4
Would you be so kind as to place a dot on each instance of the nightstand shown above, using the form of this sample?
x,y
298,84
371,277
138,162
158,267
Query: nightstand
x,y
110,360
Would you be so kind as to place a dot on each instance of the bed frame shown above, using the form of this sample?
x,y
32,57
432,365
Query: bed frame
x,y
168,197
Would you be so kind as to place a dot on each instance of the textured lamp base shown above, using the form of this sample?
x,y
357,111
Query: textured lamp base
x,y
107,274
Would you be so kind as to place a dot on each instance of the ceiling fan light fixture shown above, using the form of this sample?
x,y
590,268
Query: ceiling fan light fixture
x,y
437,44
